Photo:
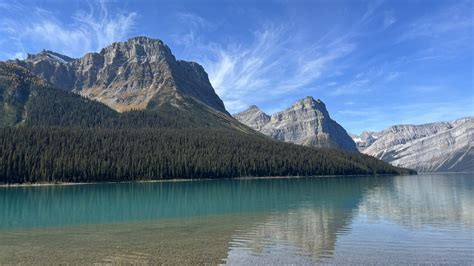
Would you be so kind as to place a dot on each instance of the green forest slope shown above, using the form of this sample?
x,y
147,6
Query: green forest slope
x,y
49,135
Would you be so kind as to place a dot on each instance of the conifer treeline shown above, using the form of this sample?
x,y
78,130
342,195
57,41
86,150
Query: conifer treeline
x,y
53,107
28,101
49,135
89,155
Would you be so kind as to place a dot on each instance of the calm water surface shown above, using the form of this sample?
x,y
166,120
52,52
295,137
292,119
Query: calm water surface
x,y
337,220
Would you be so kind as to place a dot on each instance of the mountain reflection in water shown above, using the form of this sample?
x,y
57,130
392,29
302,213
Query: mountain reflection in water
x,y
404,219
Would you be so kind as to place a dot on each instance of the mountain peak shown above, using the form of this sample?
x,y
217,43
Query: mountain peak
x,y
253,107
50,55
140,73
138,40
144,39
309,103
141,48
306,122
309,100
253,117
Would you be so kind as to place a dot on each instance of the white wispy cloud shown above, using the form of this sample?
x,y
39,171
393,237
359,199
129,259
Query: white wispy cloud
x,y
89,30
266,68
269,68
275,63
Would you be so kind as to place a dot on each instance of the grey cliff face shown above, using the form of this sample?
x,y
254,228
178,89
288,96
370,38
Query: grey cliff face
x,y
307,122
253,117
52,67
442,147
128,75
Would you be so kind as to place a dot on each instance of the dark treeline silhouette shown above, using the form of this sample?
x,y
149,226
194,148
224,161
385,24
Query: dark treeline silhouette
x,y
90,155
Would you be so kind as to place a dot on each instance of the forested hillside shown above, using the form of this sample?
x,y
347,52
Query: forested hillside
x,y
49,135
86,155
29,101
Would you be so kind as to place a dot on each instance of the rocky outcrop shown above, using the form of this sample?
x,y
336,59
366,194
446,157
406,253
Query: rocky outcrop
x,y
253,117
27,100
307,122
441,147
140,73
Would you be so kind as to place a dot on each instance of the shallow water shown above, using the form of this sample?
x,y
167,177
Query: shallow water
x,y
334,220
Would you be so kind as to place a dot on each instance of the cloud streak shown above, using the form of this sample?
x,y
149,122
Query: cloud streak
x,y
90,29
268,67
351,54
277,62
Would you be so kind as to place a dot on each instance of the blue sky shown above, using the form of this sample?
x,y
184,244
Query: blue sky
x,y
374,63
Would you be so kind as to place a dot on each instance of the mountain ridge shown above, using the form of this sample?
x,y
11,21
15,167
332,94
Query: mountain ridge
x,y
127,75
306,122
51,134
432,147
28,100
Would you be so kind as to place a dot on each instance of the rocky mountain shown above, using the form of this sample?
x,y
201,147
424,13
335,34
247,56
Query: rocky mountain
x,y
306,122
28,100
442,146
253,117
138,74
133,112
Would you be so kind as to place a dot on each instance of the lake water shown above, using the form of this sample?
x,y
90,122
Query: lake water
x,y
333,220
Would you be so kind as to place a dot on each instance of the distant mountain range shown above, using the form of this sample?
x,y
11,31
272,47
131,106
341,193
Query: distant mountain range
x,y
440,147
134,112
434,147
306,122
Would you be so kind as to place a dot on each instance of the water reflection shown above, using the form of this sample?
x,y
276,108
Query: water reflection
x,y
434,200
406,219
299,236
307,231
403,219
24,207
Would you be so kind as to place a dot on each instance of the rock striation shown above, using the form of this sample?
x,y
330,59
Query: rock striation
x,y
306,122
434,147
140,73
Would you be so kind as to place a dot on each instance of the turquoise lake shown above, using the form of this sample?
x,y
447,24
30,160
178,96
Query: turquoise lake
x,y
427,218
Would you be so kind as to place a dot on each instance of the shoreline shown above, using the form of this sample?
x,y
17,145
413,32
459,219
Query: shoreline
x,y
94,183
180,180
